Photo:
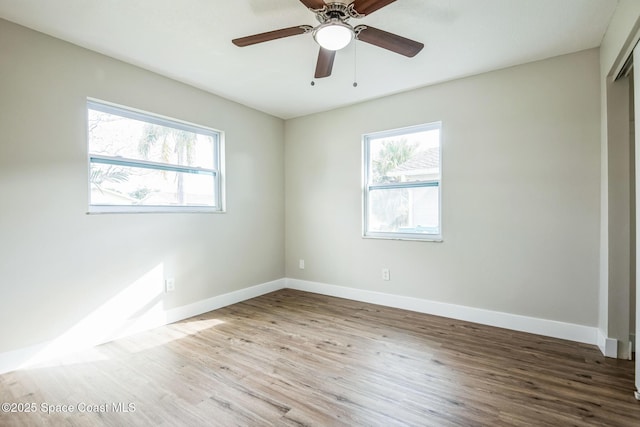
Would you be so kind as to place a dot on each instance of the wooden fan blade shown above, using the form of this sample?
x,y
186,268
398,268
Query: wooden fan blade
x,y
365,7
390,41
271,35
325,63
313,4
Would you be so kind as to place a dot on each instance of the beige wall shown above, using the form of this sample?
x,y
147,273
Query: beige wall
x,y
57,264
521,176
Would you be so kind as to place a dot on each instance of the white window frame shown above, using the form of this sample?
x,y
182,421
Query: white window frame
x,y
217,171
368,187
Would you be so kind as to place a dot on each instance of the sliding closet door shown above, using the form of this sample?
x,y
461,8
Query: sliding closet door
x,y
636,97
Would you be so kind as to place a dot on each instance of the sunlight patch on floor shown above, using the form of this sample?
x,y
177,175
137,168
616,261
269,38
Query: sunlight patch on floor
x,y
166,335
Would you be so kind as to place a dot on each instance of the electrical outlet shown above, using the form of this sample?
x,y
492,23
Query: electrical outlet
x,y
170,285
301,264
386,274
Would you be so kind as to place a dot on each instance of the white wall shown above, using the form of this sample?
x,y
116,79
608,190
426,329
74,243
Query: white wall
x,y
521,195
615,264
58,265
615,44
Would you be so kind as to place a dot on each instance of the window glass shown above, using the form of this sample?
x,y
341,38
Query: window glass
x,y
402,183
139,161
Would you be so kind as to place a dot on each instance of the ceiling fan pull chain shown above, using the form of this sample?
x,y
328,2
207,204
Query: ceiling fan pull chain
x,y
355,63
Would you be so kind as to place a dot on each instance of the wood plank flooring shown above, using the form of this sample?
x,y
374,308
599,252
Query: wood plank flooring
x,y
292,358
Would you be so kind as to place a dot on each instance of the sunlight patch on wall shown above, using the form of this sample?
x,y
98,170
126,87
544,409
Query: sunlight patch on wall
x,y
137,308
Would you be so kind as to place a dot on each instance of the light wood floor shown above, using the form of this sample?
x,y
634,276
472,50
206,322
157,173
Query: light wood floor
x,y
292,358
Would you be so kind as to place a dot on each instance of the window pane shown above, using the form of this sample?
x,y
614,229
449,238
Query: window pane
x,y
139,159
132,186
402,188
114,135
405,210
404,158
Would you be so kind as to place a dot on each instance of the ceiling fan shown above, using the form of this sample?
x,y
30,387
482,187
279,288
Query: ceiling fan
x,y
335,32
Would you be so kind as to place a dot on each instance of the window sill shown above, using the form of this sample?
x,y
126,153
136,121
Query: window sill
x,y
100,210
411,238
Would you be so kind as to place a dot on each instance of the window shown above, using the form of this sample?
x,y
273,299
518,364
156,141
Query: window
x,y
402,183
139,162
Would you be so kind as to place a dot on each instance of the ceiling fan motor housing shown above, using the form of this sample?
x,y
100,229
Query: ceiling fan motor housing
x,y
339,11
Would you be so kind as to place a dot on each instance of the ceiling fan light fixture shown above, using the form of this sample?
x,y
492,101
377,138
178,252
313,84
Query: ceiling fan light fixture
x,y
333,34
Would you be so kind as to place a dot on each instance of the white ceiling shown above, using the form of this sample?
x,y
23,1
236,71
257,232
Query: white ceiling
x,y
190,41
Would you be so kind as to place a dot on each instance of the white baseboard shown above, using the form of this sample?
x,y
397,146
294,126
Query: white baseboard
x,y
224,300
30,356
608,346
550,328
86,337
